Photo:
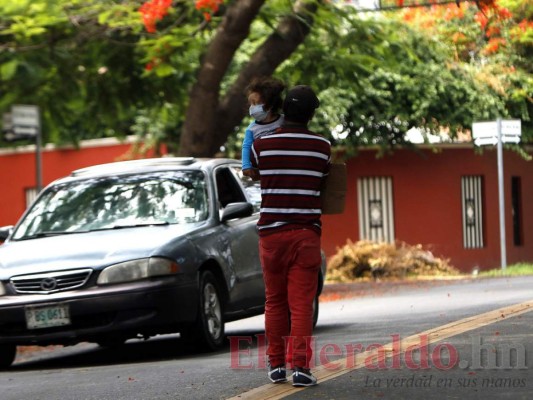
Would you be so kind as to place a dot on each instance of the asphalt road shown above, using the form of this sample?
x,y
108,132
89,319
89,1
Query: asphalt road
x,y
465,339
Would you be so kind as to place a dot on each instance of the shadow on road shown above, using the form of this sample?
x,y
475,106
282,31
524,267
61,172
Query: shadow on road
x,y
163,348
88,354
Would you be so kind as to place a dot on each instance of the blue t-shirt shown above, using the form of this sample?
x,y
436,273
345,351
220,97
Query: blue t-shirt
x,y
256,129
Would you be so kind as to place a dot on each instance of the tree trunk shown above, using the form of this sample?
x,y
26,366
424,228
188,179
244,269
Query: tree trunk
x,y
210,120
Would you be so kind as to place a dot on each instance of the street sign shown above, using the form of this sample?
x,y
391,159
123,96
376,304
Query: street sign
x,y
496,133
22,123
27,116
7,122
484,130
27,131
486,133
511,127
484,141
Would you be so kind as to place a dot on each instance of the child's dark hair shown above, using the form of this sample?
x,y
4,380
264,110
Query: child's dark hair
x,y
270,90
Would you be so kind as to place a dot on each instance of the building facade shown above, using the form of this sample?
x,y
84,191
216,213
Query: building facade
x,y
444,198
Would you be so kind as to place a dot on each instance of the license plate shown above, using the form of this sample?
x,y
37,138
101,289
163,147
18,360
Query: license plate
x,y
47,317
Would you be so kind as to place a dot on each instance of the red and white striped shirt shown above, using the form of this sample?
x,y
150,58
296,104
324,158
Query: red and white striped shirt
x,y
292,164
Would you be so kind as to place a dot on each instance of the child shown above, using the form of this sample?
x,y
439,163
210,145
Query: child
x,y
264,97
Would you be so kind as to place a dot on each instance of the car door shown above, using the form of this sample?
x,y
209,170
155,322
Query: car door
x,y
247,291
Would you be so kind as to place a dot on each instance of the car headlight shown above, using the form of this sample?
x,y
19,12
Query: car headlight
x,y
136,270
2,290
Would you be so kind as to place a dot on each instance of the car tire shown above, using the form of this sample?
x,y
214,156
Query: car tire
x,y
208,331
7,355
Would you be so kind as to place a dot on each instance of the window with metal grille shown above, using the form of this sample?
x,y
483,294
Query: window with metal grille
x,y
472,207
375,204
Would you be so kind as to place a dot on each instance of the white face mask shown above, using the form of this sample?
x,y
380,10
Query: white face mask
x,y
257,112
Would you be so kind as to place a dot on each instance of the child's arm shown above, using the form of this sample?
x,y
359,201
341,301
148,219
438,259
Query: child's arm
x,y
246,146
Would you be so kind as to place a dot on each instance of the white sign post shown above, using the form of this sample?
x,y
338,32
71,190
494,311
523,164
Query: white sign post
x,y
25,120
496,133
26,124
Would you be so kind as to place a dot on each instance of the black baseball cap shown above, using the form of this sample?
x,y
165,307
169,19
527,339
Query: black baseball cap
x,y
300,103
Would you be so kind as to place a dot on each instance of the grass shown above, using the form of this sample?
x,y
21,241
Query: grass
x,y
519,269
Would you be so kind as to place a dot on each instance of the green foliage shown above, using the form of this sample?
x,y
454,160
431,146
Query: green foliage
x,y
83,63
95,72
519,269
494,49
377,78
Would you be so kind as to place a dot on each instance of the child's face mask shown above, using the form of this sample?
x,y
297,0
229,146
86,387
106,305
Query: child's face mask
x,y
257,112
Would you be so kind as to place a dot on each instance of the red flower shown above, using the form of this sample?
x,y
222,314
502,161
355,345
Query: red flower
x,y
154,62
525,25
481,19
493,45
503,13
208,7
492,31
153,11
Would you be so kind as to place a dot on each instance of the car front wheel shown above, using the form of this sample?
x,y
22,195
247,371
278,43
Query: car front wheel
x,y
208,331
7,355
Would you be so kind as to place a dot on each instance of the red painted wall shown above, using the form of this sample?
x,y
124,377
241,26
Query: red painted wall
x,y
17,169
427,203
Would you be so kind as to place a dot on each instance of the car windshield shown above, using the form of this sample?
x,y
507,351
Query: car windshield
x,y
117,202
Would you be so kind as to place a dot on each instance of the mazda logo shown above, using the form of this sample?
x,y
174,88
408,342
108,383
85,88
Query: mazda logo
x,y
48,284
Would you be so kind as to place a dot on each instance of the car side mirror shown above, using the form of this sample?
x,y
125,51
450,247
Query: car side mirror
x,y
236,210
5,231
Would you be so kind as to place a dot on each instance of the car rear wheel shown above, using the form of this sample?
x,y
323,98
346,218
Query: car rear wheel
x,y
208,331
7,355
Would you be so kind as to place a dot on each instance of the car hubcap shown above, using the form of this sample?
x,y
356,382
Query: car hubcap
x,y
212,311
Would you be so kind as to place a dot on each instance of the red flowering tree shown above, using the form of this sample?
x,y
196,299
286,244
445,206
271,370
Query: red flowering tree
x,y
474,28
212,113
216,106
494,40
177,69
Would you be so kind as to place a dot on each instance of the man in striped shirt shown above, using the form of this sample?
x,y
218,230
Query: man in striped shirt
x,y
292,164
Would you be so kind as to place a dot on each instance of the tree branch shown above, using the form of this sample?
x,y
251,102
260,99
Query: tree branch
x,y
203,135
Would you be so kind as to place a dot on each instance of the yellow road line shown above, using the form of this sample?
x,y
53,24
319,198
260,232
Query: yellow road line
x,y
434,335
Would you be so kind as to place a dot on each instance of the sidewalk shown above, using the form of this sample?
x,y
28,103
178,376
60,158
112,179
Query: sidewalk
x,y
337,291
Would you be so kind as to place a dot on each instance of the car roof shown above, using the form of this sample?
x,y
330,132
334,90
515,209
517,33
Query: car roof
x,y
149,164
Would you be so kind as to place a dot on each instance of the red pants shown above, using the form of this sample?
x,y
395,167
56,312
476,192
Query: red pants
x,y
291,262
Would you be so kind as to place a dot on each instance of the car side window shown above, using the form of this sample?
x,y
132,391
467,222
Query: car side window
x,y
252,188
228,190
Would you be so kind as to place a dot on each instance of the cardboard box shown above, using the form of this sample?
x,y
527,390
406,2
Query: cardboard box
x,y
333,192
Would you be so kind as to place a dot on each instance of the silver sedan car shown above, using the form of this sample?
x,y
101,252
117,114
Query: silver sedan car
x,y
133,249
